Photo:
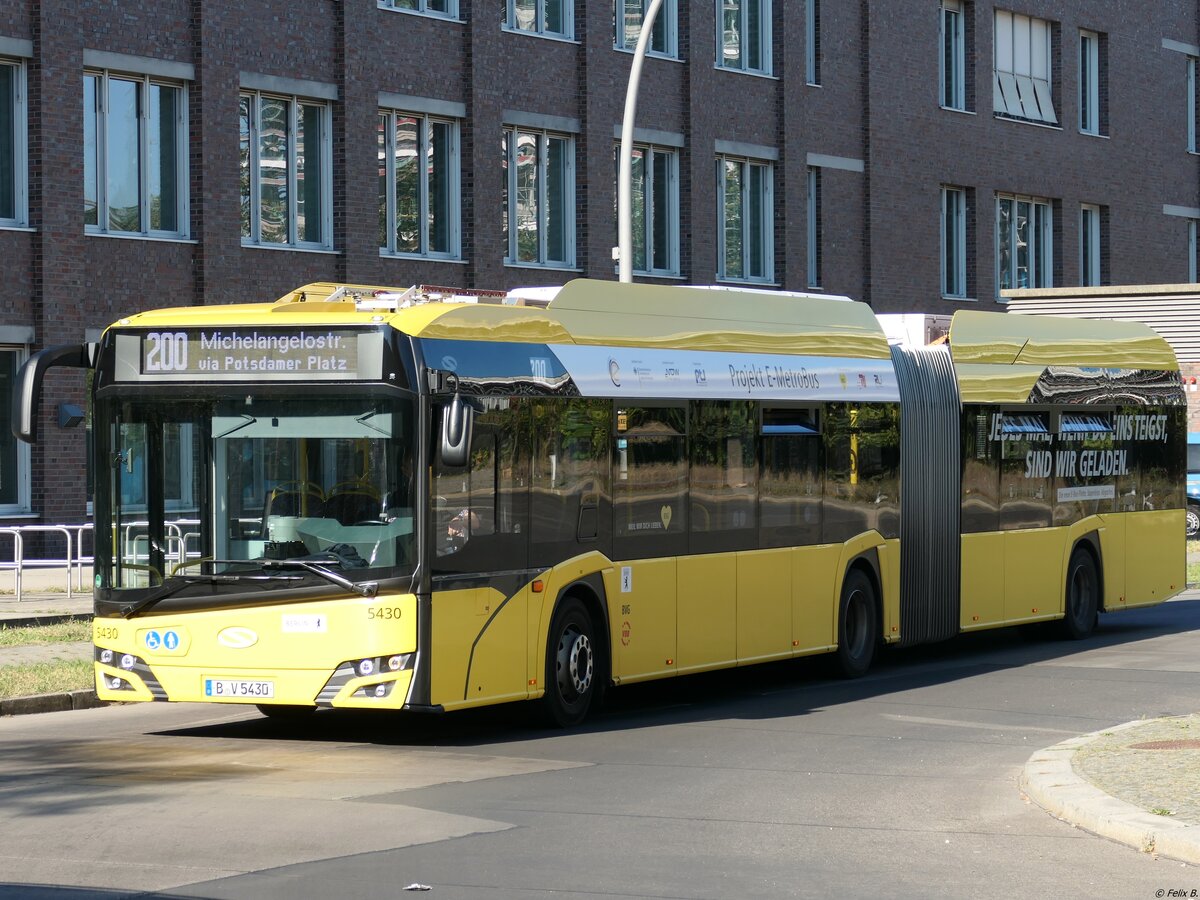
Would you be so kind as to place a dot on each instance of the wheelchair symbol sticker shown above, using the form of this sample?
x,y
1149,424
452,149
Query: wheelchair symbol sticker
x,y
153,640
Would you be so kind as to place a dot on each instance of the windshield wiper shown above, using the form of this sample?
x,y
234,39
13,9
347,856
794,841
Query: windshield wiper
x,y
179,582
311,564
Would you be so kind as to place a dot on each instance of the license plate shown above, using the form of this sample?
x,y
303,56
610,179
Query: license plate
x,y
235,688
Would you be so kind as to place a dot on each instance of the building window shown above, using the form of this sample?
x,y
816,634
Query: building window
x,y
448,8
135,155
539,197
1091,82
655,209
745,39
546,17
627,25
746,232
286,171
13,177
1089,245
1191,104
418,185
1024,237
953,58
814,227
954,242
1022,83
1192,251
14,454
812,41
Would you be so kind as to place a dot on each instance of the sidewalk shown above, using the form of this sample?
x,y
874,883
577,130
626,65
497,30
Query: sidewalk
x,y
1133,783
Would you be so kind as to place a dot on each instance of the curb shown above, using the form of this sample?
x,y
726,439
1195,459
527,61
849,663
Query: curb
x,y
35,619
40,703
1049,780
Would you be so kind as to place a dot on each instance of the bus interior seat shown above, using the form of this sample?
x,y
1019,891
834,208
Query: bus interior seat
x,y
294,500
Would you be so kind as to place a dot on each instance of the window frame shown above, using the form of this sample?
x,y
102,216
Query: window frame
x,y
20,145
1090,223
23,461
294,102
1040,243
453,179
1089,82
1193,248
544,136
1191,104
568,20
953,45
668,19
765,38
1018,94
812,42
954,272
767,223
813,221
144,82
422,9
649,151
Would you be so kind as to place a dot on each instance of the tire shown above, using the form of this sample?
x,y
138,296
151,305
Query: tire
x,y
858,625
285,711
1082,597
573,666
1193,521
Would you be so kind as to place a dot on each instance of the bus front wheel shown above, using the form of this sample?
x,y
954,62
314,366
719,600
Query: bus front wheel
x,y
858,625
1083,597
572,665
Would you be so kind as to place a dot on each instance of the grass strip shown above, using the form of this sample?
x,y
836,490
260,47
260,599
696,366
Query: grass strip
x,y
45,678
58,633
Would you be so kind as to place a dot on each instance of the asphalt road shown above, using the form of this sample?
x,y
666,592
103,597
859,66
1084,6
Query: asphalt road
x,y
768,782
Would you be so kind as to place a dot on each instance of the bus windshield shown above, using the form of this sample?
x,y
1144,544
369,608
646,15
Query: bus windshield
x,y
215,491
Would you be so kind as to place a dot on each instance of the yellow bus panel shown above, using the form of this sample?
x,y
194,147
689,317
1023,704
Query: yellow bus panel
x,y
1033,573
982,579
764,609
642,616
708,609
814,597
1156,566
1112,532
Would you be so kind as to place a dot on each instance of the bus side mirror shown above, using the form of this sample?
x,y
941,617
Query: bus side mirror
x,y
457,420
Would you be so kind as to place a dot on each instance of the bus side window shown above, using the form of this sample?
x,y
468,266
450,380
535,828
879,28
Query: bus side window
x,y
651,482
724,476
792,478
479,509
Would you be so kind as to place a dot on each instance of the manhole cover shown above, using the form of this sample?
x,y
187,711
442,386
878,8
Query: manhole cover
x,y
1167,745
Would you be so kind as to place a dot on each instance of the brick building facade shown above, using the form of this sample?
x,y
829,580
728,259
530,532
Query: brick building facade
x,y
184,152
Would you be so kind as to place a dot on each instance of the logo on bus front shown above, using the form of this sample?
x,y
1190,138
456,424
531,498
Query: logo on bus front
x,y
237,638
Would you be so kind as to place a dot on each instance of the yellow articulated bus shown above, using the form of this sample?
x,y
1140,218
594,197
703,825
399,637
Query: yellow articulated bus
x,y
386,499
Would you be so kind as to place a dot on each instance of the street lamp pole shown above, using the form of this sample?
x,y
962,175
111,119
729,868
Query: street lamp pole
x,y
625,178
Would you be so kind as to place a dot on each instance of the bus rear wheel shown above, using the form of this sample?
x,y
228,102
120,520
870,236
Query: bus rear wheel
x,y
858,625
1083,597
572,665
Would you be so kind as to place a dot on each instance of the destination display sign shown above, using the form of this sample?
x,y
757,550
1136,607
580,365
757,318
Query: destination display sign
x,y
250,352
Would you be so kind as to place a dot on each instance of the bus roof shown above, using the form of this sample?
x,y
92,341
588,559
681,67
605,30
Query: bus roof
x,y
593,312
1002,339
584,311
